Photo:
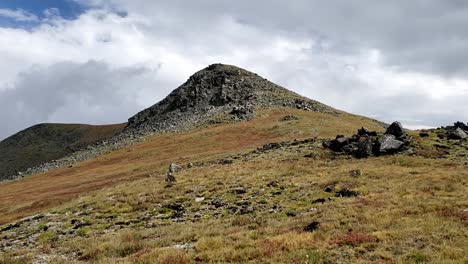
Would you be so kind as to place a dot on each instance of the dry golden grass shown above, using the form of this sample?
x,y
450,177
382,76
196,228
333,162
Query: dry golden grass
x,y
33,194
411,209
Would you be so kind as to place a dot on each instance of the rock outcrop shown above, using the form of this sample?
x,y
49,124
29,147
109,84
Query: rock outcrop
x,y
215,90
369,143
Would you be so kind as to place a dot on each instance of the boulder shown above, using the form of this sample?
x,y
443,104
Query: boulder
x,y
351,148
395,129
170,177
338,143
458,133
311,227
346,193
366,132
174,168
388,144
405,138
364,149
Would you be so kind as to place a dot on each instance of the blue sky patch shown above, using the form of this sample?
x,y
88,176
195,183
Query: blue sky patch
x,y
68,9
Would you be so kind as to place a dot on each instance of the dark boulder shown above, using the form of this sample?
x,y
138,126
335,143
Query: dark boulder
x,y
351,148
338,143
388,144
311,227
319,200
395,129
346,193
364,148
170,177
366,132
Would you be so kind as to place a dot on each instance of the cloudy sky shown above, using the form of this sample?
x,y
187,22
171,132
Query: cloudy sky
x,y
101,61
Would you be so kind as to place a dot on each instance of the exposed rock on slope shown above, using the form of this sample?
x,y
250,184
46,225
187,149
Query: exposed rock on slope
x,y
218,89
368,143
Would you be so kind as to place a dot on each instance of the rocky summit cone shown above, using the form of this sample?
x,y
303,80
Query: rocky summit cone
x,y
216,90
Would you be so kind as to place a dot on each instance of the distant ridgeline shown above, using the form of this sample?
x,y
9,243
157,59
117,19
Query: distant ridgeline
x,y
45,142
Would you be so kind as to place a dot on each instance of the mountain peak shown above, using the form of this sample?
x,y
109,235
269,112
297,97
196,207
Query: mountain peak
x,y
218,89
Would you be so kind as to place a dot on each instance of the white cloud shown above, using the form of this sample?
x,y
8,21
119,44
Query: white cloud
x,y
103,67
18,14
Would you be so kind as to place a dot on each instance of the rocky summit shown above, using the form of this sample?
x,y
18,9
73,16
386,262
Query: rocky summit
x,y
218,90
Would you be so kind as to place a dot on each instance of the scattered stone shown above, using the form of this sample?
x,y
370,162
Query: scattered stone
x,y
291,214
273,184
312,226
239,190
355,173
175,207
329,188
319,200
199,199
190,165
270,146
170,177
186,246
78,223
346,193
226,161
246,210
218,203
10,226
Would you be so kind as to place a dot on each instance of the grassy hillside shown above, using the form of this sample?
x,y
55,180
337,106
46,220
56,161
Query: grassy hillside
x,y
298,203
45,142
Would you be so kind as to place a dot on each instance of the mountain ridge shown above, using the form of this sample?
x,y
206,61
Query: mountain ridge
x,y
217,92
216,89
44,142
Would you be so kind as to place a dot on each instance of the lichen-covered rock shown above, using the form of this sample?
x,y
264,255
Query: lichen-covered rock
x,y
214,90
174,168
388,144
457,133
